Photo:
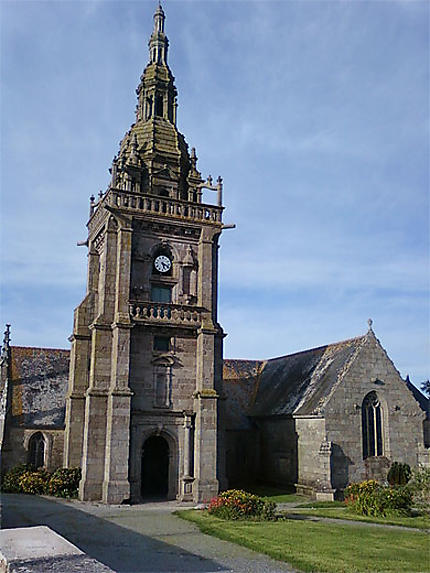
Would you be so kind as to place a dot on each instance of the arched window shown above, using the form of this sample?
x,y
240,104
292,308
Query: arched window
x,y
36,450
372,426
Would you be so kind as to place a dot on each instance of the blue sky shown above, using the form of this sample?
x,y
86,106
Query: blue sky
x,y
315,114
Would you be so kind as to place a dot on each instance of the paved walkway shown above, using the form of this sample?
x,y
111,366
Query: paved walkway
x,y
138,539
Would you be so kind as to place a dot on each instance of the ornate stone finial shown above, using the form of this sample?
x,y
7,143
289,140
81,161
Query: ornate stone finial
x,y
159,18
134,146
219,187
158,43
114,171
92,205
370,322
134,143
193,157
209,180
6,341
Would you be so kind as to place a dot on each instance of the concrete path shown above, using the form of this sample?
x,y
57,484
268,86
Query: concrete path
x,y
136,539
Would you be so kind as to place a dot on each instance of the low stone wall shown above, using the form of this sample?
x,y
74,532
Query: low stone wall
x,y
39,549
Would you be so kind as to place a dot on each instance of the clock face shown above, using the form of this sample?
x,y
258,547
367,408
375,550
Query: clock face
x,y
163,264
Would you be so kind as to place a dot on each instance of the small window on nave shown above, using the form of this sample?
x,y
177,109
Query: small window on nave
x,y
36,450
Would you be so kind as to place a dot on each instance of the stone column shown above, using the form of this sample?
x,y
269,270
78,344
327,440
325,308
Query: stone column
x,y
205,397
94,442
187,478
205,448
205,407
135,463
116,487
75,401
79,367
324,491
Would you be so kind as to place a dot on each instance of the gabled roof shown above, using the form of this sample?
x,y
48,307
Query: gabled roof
x,y
300,383
423,402
38,384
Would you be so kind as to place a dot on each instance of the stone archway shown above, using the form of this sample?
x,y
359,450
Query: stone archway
x,y
155,468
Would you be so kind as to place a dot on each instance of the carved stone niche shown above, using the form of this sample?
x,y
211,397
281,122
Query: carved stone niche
x,y
162,381
188,280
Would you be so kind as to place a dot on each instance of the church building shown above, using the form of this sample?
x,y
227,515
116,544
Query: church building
x,y
144,402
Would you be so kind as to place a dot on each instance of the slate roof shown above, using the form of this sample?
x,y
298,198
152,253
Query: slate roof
x,y
419,397
38,383
298,383
240,383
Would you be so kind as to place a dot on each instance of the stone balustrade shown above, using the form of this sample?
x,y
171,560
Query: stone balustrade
x,y
152,204
162,313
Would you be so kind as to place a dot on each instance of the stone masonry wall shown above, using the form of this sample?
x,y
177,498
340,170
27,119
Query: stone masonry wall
x,y
278,447
402,418
311,432
242,456
182,368
17,453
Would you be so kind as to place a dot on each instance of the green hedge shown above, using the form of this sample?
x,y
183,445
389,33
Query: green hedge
x,y
64,482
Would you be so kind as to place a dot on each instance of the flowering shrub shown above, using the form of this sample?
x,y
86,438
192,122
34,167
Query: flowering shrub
x,y
10,481
399,474
239,504
371,498
419,486
34,481
64,482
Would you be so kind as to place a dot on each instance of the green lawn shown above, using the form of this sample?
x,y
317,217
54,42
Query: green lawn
x,y
323,547
420,521
276,494
318,504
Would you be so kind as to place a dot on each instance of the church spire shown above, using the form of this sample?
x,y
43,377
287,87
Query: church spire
x,y
156,91
158,43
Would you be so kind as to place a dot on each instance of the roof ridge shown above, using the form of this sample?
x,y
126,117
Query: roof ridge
x,y
243,360
323,346
41,348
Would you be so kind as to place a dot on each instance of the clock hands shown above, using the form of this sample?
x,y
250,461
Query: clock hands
x,y
162,263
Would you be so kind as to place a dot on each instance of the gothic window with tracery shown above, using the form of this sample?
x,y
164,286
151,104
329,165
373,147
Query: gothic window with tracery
x,y
36,450
372,426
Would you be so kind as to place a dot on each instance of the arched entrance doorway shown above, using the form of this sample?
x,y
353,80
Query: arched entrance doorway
x,y
155,468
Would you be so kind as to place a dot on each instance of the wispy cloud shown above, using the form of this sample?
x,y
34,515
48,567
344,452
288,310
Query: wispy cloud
x,y
316,115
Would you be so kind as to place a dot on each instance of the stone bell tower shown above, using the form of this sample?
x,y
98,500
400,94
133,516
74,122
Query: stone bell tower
x,y
146,360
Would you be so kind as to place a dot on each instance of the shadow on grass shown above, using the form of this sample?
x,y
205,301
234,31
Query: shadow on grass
x,y
120,548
